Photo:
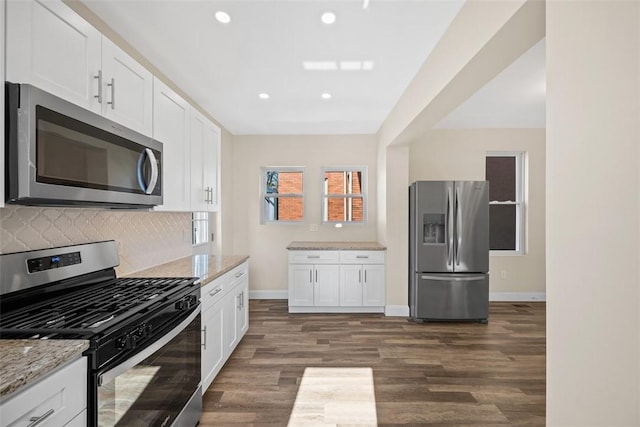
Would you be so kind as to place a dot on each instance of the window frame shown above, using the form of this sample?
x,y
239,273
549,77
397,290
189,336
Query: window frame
x,y
519,203
264,194
363,187
200,219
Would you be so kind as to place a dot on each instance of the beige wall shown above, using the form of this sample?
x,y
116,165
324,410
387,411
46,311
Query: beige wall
x,y
593,225
460,155
265,243
144,238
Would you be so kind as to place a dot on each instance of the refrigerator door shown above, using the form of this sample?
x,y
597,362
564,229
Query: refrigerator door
x,y
451,297
471,202
431,226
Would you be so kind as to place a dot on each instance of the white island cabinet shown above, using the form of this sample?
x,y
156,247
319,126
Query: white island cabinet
x,y
332,277
225,319
59,399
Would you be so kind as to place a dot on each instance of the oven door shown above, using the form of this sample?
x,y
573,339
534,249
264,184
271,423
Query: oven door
x,y
160,386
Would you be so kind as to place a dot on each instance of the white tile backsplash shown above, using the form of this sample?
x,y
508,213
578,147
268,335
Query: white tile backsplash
x,y
144,238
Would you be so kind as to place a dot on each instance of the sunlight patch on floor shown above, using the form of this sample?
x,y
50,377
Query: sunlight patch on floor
x,y
335,396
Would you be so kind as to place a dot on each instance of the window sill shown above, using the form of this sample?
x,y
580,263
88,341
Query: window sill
x,y
506,253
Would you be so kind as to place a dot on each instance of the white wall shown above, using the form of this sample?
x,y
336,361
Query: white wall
x,y
266,243
460,155
593,214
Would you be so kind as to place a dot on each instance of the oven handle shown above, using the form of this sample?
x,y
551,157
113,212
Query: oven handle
x,y
111,374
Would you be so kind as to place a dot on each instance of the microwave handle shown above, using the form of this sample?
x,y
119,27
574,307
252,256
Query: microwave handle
x,y
148,155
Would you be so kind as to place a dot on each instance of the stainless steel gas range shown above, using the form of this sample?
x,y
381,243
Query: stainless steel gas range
x,y
144,334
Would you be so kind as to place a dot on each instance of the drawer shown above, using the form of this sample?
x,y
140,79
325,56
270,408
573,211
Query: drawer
x,y
212,292
314,257
237,274
62,395
362,257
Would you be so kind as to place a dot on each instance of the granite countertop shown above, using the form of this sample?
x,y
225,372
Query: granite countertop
x,y
23,362
206,267
336,246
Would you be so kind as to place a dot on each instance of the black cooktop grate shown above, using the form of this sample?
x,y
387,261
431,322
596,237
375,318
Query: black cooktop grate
x,y
92,309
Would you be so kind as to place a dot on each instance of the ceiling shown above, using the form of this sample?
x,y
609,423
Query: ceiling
x,y
224,67
515,98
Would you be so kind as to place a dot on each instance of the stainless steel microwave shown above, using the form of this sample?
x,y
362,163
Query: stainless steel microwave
x,y
59,154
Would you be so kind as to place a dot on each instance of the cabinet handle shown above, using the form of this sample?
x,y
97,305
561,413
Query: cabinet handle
x,y
310,276
365,276
99,95
242,299
362,256
204,341
215,292
37,420
240,274
113,93
313,256
316,275
360,276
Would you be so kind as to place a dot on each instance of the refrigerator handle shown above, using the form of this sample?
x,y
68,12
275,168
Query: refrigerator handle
x,y
458,227
449,227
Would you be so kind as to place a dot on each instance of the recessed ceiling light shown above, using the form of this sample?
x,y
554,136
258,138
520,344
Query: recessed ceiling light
x,y
351,65
223,17
365,4
328,18
263,95
319,65
326,95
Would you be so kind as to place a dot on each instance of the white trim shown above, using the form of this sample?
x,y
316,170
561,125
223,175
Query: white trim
x,y
363,188
517,296
396,310
337,309
268,294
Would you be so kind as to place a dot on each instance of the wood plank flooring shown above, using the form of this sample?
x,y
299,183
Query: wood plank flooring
x,y
432,374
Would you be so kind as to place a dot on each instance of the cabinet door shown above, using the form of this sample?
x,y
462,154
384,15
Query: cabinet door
x,y
373,291
127,89
327,285
301,285
199,194
243,311
211,165
351,285
51,47
229,322
171,127
212,344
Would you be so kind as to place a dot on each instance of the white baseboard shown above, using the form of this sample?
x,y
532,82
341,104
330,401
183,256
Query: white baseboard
x,y
518,296
396,310
268,294
297,309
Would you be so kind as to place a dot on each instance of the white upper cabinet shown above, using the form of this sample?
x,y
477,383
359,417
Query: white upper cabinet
x,y
171,127
51,47
126,89
205,159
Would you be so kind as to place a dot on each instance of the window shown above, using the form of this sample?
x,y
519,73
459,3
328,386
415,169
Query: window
x,y
505,173
199,228
344,195
282,194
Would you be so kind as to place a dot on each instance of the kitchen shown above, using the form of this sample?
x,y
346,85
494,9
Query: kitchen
x,y
237,229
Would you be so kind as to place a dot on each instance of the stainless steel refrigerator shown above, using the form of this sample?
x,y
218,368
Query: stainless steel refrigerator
x,y
449,250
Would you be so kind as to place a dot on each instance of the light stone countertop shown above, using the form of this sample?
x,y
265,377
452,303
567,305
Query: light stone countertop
x,y
23,362
336,246
206,267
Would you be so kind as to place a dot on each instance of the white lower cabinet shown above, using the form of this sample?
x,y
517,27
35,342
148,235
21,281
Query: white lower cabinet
x,y
225,319
59,399
336,281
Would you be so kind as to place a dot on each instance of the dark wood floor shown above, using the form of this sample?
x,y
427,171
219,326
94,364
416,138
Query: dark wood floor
x,y
435,374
